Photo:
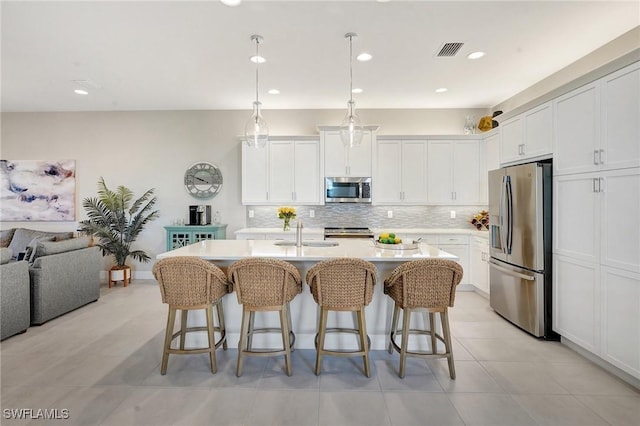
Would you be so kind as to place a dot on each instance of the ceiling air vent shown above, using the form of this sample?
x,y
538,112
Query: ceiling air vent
x,y
449,49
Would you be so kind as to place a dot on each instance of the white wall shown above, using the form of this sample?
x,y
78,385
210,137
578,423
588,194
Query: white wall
x,y
608,53
152,149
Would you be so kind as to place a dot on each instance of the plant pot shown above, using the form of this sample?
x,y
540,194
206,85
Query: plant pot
x,y
119,273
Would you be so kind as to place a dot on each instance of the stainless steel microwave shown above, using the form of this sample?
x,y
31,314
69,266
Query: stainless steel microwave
x,y
347,190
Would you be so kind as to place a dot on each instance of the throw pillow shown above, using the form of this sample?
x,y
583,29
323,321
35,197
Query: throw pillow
x,y
6,236
22,237
30,252
47,248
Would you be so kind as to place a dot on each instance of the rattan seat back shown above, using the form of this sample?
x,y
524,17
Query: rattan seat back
x,y
342,283
424,283
264,282
190,281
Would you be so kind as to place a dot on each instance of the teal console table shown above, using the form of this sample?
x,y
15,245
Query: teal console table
x,y
180,236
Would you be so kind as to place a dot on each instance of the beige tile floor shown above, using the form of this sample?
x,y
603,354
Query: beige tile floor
x,y
101,363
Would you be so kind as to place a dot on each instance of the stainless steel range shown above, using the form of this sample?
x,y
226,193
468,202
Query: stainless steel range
x,y
348,233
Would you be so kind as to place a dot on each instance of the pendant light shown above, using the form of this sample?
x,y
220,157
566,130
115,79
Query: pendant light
x,y
256,130
351,127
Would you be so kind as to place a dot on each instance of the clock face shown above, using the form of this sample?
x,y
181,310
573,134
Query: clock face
x,y
203,180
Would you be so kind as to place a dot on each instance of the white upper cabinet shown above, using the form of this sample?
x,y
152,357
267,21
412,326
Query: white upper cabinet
x,y
597,126
285,171
527,136
620,108
341,161
490,160
453,172
577,131
512,134
400,172
255,175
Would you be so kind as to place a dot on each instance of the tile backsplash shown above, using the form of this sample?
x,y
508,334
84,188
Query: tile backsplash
x,y
361,215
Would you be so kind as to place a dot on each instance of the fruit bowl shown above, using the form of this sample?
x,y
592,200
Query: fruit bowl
x,y
400,246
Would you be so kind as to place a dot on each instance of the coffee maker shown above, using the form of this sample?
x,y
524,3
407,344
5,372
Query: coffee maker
x,y
200,214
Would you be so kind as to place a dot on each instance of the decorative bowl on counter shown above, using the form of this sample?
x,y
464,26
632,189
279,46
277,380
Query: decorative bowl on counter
x,y
409,246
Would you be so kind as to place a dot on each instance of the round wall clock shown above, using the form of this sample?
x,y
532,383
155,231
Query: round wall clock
x,y
203,180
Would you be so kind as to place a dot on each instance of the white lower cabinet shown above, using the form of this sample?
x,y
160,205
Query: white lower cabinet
x,y
479,263
620,304
457,245
596,264
576,296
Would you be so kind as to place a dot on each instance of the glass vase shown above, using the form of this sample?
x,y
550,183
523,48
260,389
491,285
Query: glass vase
x,y
286,226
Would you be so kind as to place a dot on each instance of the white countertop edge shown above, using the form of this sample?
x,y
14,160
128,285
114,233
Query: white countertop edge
x,y
426,231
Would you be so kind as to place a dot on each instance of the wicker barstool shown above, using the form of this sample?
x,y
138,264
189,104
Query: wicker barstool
x,y
419,285
344,284
263,284
189,283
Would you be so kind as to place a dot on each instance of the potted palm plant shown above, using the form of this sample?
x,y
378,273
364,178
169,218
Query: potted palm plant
x,y
115,221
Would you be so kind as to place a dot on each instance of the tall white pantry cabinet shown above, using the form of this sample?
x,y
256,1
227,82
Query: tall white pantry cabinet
x,y
596,235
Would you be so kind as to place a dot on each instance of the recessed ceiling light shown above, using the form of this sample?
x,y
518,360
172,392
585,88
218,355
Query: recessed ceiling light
x,y
383,1
80,92
231,2
273,92
476,55
257,59
357,90
364,57
441,90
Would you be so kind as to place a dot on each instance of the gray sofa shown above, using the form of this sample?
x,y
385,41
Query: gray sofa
x,y
64,272
14,295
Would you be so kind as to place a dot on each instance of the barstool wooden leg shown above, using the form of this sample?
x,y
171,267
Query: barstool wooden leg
x,y
364,343
290,322
321,334
406,319
394,326
171,319
444,316
223,330
212,339
432,332
284,324
243,340
252,317
183,328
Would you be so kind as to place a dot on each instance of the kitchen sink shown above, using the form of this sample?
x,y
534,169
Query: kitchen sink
x,y
319,243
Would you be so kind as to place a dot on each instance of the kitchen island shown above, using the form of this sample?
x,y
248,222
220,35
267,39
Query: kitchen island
x,y
303,308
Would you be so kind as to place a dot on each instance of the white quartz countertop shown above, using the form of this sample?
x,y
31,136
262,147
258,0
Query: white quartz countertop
x,y
279,230
412,231
360,248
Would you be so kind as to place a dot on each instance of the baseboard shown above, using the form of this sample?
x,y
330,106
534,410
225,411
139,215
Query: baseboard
x,y
623,375
135,275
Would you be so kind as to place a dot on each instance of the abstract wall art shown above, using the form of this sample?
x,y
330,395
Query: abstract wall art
x,y
33,190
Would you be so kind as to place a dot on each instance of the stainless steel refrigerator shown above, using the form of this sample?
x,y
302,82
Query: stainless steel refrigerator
x,y
520,246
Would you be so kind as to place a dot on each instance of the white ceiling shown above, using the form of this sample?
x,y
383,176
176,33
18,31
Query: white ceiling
x,y
152,55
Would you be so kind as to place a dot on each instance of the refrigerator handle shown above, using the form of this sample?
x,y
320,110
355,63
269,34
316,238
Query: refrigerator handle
x,y
503,240
512,273
509,199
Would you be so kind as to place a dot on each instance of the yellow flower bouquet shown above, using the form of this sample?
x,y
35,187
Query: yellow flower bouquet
x,y
286,213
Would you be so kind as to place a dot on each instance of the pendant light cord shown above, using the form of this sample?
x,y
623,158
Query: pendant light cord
x,y
257,65
351,68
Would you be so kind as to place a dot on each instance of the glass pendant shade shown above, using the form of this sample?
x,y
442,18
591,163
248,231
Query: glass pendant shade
x,y
351,128
256,131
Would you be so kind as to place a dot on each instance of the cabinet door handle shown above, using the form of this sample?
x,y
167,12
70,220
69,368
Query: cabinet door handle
x,y
595,184
267,195
601,155
595,157
600,184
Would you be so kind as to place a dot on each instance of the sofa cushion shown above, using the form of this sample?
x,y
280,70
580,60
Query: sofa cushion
x,y
5,255
22,237
29,254
6,236
46,248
